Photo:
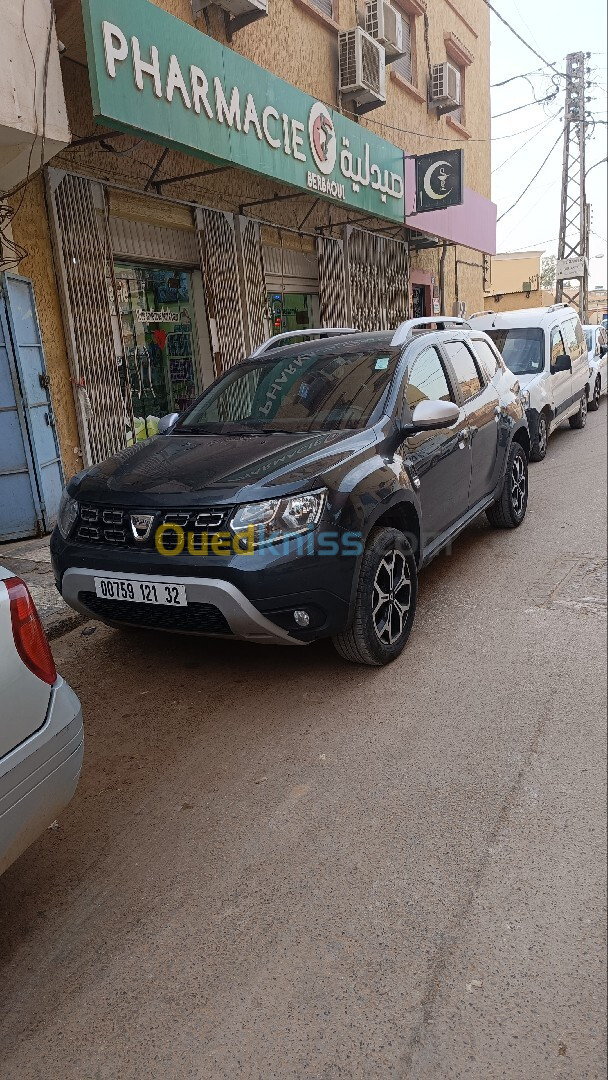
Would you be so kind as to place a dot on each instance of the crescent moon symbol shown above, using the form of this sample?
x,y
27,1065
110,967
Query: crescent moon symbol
x,y
427,181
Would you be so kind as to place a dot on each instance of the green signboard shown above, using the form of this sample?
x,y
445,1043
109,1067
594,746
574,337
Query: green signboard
x,y
154,75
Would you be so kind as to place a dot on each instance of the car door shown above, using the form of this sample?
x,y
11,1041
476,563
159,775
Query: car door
x,y
560,382
438,461
602,353
489,425
576,347
479,399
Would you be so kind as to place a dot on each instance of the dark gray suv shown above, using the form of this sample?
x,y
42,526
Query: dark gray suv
x,y
299,497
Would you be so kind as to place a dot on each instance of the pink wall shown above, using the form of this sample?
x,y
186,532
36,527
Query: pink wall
x,y
472,224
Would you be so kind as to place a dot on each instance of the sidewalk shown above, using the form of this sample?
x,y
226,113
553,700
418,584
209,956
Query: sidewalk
x,y
31,560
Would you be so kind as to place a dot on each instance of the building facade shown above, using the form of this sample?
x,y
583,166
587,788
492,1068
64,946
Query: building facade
x,y
515,282
220,186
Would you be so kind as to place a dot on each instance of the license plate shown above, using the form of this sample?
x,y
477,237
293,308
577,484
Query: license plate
x,y
141,592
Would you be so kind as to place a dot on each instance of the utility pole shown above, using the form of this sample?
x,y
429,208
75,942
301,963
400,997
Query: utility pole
x,y
575,212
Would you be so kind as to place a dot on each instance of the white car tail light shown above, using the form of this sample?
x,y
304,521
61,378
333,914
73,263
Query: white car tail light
x,y
30,639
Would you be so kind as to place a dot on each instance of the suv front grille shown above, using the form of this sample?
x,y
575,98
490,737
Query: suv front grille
x,y
112,526
194,619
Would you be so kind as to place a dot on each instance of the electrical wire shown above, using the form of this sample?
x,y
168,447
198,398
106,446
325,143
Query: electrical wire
x,y
537,101
529,184
525,75
546,63
527,143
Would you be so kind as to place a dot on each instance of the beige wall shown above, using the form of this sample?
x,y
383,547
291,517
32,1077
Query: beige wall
x,y
515,301
597,305
21,111
509,272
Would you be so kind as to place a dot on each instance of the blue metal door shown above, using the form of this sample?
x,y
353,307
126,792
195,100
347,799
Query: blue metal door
x,y
31,477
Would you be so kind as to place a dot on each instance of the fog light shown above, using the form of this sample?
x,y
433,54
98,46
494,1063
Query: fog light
x,y
302,618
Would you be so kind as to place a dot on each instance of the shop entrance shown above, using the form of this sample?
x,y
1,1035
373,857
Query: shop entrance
x,y
293,311
156,306
418,302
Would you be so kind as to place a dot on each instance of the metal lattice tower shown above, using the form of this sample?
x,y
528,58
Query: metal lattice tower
x,y
574,219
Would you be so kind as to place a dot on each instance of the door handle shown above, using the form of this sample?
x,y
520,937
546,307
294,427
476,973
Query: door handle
x,y
464,438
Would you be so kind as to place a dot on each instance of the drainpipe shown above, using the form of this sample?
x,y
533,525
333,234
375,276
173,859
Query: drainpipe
x,y
444,251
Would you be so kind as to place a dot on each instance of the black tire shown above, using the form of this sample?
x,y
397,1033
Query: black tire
x,y
362,642
538,449
594,401
509,510
578,421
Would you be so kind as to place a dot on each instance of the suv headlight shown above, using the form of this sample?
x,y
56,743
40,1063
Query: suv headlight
x,y
276,519
524,397
68,512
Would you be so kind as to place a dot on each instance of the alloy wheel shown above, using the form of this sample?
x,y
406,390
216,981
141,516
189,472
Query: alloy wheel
x,y
519,485
392,595
597,391
584,410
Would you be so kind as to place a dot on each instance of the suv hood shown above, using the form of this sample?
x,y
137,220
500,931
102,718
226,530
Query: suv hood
x,y
217,468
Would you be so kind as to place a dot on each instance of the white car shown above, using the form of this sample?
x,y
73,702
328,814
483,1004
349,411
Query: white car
x,y
547,350
41,731
597,345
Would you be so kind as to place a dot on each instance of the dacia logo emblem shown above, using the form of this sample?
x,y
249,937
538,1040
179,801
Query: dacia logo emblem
x,y
141,526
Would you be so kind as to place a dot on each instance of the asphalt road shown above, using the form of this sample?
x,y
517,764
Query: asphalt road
x,y
281,866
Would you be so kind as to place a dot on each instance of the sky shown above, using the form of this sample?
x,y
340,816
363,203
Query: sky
x,y
554,28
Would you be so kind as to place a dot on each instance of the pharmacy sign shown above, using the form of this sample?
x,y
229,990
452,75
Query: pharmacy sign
x,y
155,75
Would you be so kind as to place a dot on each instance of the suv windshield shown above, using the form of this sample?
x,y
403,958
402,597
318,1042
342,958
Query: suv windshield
x,y
522,349
305,390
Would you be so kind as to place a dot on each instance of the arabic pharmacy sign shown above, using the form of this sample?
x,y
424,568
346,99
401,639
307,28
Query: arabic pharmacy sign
x,y
154,75
439,180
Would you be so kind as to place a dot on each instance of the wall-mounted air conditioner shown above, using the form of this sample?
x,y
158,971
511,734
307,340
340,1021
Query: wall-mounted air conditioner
x,y
385,24
362,68
233,7
446,91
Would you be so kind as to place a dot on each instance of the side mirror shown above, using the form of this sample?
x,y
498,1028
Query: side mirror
x,y
603,350
561,363
167,422
432,415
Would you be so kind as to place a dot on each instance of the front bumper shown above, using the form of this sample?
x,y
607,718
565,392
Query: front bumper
x,y
39,777
243,619
248,596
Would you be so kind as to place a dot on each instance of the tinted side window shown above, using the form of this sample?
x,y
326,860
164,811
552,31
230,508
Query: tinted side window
x,y
557,345
580,337
486,357
570,339
427,381
464,366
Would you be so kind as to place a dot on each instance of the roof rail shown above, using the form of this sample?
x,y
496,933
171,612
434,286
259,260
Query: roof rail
x,y
324,331
554,307
404,332
479,314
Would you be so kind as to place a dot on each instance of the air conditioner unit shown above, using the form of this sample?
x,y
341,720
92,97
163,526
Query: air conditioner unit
x,y
446,93
385,24
233,7
362,67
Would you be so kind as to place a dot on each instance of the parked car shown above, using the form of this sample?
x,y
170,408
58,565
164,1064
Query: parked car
x,y
41,732
597,348
546,349
327,473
